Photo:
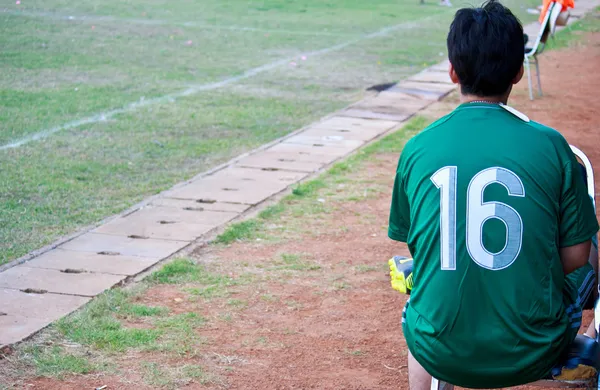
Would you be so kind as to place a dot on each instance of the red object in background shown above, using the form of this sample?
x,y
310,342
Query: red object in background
x,y
566,4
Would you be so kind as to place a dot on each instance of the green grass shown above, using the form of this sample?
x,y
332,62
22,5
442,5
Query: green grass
x,y
294,262
242,230
102,324
99,323
364,268
308,188
58,70
571,35
237,303
55,362
186,271
174,377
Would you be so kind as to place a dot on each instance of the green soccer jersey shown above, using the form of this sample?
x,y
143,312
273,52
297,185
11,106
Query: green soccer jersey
x,y
485,198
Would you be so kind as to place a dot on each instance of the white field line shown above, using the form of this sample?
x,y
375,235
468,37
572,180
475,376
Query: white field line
x,y
161,22
194,89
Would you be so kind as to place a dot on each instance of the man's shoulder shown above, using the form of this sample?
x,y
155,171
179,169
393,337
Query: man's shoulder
x,y
423,136
452,120
558,141
545,130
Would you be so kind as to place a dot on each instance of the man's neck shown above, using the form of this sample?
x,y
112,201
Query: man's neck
x,y
483,99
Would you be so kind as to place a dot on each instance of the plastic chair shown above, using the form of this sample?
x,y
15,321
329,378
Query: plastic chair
x,y
547,28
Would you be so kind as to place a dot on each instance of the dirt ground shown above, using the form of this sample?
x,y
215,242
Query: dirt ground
x,y
338,327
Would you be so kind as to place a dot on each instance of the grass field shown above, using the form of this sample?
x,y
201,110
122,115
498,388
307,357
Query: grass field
x,y
278,64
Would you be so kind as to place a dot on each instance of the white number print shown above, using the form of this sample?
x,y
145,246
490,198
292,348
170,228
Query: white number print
x,y
478,212
445,180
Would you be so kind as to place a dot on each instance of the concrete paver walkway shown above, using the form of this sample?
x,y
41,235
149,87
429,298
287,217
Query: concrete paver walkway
x,y
57,282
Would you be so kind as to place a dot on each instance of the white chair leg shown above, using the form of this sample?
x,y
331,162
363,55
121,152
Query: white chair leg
x,y
537,71
436,384
528,70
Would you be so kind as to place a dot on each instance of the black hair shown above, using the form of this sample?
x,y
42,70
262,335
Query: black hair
x,y
486,47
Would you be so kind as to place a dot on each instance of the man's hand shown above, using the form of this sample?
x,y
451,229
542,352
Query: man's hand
x,y
574,257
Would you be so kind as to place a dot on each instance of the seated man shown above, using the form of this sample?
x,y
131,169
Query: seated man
x,y
497,218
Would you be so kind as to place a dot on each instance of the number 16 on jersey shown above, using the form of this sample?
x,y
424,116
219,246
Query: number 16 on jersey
x,y
478,212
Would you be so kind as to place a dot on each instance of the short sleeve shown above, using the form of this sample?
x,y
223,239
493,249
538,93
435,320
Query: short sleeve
x,y
399,223
578,221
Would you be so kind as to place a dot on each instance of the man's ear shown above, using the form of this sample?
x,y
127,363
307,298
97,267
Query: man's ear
x,y
453,75
519,75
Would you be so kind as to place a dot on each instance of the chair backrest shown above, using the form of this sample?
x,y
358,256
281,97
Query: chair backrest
x,y
589,171
556,11
545,30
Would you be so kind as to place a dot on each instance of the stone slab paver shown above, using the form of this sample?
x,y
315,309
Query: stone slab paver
x,y
167,223
343,123
322,153
431,77
354,134
394,103
428,91
238,185
281,160
17,328
60,259
21,314
442,66
233,190
335,141
94,242
193,205
47,306
256,175
54,281
368,114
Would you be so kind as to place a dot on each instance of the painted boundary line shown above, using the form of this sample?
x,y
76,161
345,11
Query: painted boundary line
x,y
162,22
195,89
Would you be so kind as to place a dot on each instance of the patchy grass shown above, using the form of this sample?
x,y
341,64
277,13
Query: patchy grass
x,y
294,262
572,34
173,377
363,268
56,362
237,303
178,335
269,298
186,271
99,323
356,352
104,325
137,311
341,285
308,188
242,230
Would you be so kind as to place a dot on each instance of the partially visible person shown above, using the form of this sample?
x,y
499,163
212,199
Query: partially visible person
x,y
495,212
